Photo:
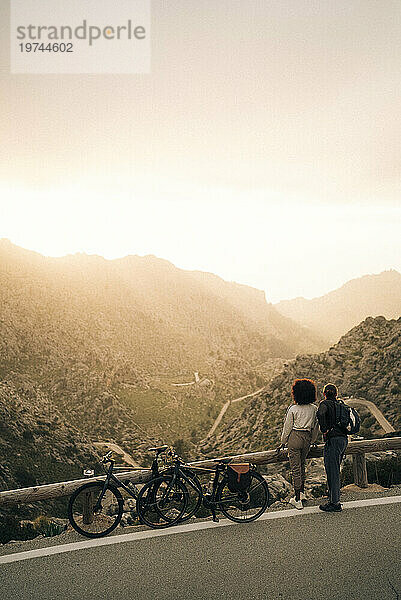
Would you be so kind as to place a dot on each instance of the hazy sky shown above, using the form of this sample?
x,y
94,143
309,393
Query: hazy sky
x,y
264,146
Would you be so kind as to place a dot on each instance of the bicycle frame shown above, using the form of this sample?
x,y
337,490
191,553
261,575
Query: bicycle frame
x,y
209,498
131,492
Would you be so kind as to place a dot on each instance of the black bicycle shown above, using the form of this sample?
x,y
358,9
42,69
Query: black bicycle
x,y
95,509
239,505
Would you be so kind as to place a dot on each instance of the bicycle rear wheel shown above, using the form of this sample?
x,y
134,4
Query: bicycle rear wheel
x,y
194,492
244,506
162,502
93,519
194,496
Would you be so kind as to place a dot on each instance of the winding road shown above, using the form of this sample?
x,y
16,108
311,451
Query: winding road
x,y
376,412
118,450
225,407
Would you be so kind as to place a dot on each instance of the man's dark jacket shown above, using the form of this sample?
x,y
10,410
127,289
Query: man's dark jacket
x,y
326,415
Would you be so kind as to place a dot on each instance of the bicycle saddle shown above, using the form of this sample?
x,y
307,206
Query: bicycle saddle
x,y
158,449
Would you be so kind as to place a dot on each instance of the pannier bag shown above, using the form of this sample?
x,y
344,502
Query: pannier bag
x,y
347,418
239,477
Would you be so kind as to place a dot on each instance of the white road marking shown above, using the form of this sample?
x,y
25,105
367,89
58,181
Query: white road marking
x,y
143,535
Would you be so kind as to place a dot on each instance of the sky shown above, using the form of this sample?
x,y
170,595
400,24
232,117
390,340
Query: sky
x,y
263,146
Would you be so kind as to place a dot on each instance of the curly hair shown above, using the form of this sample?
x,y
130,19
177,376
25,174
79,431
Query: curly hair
x,y
304,391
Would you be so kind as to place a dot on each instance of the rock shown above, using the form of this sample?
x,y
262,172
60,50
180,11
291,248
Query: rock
x,y
277,504
127,519
279,487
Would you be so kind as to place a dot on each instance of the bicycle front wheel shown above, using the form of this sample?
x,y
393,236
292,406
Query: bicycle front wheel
x,y
194,495
243,507
91,516
162,502
194,492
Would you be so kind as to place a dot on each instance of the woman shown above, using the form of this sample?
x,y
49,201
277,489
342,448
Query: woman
x,y
299,432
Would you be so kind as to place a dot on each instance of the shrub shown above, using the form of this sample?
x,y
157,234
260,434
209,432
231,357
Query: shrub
x,y
385,471
24,477
47,527
182,448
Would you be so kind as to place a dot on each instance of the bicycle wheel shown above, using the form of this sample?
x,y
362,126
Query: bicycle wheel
x,y
194,493
89,519
244,506
162,502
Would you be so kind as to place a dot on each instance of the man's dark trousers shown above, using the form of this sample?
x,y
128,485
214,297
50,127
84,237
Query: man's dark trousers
x,y
334,449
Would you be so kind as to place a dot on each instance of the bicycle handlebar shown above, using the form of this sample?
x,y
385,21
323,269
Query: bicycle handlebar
x,y
106,457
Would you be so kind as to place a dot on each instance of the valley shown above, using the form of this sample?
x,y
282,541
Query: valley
x,y
133,352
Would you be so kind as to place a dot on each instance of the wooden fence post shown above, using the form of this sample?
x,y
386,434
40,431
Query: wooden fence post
x,y
87,508
50,491
360,471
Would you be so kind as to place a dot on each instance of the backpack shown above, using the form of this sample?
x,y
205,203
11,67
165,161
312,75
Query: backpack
x,y
238,477
347,418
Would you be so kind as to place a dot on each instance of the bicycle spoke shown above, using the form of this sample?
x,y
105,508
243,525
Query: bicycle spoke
x,y
161,502
92,515
247,505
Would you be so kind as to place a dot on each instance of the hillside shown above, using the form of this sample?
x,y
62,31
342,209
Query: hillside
x,y
333,314
37,446
365,363
105,338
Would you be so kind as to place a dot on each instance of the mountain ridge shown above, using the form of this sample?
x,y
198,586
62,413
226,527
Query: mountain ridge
x,y
333,314
95,335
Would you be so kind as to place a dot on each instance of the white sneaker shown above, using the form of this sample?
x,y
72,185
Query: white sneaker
x,y
297,503
302,496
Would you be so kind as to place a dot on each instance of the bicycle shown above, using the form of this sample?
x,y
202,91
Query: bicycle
x,y
238,506
193,487
96,508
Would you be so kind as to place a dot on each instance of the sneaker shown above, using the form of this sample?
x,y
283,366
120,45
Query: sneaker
x,y
297,503
302,496
329,507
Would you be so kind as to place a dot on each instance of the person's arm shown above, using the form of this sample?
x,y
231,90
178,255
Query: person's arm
x,y
315,431
288,425
322,417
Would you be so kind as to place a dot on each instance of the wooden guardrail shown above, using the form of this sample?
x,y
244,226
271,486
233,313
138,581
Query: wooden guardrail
x,y
356,449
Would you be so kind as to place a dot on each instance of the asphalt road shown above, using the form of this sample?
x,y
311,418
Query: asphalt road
x,y
353,555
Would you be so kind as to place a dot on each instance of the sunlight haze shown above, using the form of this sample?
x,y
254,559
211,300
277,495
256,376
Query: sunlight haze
x,y
263,146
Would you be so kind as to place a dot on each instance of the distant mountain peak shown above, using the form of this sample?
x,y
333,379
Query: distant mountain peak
x,y
334,313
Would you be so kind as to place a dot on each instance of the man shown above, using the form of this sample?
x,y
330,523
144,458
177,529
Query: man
x,y
336,441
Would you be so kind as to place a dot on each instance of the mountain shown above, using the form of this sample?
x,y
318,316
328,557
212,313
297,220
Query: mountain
x,y
37,446
365,363
333,314
105,340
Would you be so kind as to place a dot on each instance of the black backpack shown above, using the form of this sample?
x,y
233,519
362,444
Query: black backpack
x,y
347,418
238,477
